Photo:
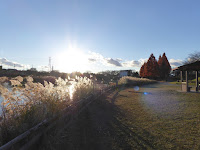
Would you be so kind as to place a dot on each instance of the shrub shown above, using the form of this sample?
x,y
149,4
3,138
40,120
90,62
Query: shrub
x,y
133,81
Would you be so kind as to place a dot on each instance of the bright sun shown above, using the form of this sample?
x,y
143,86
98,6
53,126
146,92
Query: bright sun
x,y
72,60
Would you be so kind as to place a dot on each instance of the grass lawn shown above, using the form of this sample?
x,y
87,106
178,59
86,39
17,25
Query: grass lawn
x,y
150,117
161,116
191,83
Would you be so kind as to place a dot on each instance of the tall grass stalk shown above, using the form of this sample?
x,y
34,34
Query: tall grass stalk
x,y
26,104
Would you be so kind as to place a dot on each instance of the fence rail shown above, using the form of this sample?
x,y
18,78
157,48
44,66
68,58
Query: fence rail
x,y
30,138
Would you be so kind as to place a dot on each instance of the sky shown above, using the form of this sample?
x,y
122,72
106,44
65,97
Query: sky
x,y
96,35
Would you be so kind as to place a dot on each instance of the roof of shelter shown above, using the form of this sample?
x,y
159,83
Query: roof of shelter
x,y
195,66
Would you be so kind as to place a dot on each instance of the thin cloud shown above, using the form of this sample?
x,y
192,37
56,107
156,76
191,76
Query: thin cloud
x,y
175,62
134,63
96,60
95,56
113,62
119,59
92,59
116,62
124,64
11,64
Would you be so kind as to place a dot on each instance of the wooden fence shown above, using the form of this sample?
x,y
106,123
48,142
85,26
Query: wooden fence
x,y
31,138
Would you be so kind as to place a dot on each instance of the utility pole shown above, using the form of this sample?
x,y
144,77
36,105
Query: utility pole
x,y
49,64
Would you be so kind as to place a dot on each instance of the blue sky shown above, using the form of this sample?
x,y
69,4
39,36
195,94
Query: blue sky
x,y
111,34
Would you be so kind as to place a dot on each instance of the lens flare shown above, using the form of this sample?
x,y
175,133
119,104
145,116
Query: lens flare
x,y
136,88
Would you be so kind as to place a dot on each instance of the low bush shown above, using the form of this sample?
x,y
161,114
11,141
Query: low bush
x,y
133,81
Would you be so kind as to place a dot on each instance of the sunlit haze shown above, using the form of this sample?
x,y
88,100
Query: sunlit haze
x,y
71,59
96,35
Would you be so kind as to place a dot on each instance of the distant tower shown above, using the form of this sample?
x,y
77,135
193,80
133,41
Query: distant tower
x,y
50,64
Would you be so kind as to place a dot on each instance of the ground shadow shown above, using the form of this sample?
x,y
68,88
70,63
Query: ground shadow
x,y
98,127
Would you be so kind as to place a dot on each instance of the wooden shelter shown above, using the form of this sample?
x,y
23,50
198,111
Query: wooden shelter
x,y
186,68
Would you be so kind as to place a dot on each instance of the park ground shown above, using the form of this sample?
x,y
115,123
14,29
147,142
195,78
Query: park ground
x,y
156,116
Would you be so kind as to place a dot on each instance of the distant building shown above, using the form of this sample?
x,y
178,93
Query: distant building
x,y
175,72
55,71
33,69
11,70
124,73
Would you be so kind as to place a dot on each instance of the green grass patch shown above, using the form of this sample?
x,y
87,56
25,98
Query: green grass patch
x,y
190,83
194,80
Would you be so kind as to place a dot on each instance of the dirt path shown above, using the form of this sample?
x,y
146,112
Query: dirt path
x,y
97,128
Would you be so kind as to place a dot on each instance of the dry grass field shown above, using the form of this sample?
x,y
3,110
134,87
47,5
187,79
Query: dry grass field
x,y
154,116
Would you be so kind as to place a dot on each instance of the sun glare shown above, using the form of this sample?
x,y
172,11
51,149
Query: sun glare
x,y
72,60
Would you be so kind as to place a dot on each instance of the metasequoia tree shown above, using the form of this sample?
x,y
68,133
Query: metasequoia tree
x,y
164,66
154,69
142,70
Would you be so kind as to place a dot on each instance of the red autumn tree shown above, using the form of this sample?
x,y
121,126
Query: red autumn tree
x,y
143,70
164,66
150,69
160,60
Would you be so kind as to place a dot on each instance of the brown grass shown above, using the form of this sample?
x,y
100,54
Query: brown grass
x,y
154,117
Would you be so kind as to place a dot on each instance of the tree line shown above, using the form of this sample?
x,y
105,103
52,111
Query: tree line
x,y
156,69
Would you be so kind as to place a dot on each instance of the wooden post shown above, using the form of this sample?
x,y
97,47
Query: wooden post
x,y
181,74
197,81
186,76
93,86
